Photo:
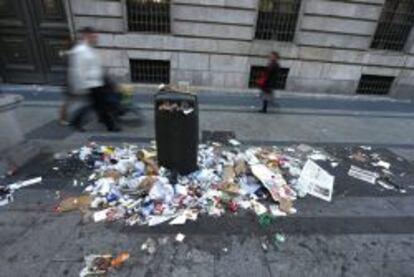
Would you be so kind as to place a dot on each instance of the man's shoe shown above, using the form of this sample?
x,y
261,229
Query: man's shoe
x,y
115,129
79,128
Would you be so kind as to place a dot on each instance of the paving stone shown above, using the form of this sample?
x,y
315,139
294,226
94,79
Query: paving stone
x,y
245,258
34,250
295,267
397,269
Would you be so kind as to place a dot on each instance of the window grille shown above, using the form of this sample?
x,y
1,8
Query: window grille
x,y
151,16
374,84
150,71
394,26
277,19
257,71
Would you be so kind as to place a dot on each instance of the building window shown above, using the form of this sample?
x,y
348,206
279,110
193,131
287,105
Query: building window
x,y
374,84
257,71
152,16
277,19
150,71
394,26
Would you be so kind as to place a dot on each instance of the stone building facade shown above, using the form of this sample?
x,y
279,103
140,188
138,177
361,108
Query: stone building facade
x,y
328,46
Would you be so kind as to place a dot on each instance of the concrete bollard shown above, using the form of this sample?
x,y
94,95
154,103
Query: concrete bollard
x,y
11,133
15,151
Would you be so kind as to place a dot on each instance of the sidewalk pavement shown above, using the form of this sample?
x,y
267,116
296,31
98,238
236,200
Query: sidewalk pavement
x,y
316,120
363,232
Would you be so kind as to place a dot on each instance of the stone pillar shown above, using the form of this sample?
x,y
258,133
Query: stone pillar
x,y
11,134
15,150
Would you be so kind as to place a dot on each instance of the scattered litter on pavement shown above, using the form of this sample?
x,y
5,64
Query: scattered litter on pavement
x,y
363,175
258,208
278,240
275,211
234,142
382,164
101,264
264,247
6,192
74,203
5,196
385,185
179,237
159,219
316,181
119,260
25,183
265,219
60,156
149,246
101,215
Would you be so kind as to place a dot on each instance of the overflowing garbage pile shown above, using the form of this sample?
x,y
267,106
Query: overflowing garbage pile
x,y
127,184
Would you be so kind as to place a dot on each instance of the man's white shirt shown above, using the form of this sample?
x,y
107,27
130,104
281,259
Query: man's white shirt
x,y
85,68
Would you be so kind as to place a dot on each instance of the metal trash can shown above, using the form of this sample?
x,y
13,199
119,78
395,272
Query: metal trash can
x,y
176,131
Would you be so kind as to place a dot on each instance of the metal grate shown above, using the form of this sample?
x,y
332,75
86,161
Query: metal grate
x,y
257,71
277,19
149,16
394,26
150,71
374,84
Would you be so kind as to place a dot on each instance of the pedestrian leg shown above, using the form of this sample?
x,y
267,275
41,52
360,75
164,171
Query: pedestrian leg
x,y
63,113
102,109
77,121
264,107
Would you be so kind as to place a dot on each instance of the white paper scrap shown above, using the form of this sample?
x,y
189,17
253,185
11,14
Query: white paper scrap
x,y
158,219
234,142
316,181
26,183
100,215
180,237
275,211
384,164
179,220
363,175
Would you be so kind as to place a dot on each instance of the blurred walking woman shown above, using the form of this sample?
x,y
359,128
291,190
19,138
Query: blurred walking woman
x,y
268,81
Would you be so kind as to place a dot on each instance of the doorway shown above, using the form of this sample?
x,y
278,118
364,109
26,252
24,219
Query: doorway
x,y
33,36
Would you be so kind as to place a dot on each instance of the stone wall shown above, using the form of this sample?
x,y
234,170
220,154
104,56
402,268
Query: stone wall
x,y
212,44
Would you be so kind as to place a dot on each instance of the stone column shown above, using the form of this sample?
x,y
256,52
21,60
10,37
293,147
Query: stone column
x,y
15,150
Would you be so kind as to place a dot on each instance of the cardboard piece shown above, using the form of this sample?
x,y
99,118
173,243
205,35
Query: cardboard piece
x,y
271,180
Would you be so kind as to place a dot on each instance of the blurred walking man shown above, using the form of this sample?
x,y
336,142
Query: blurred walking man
x,y
86,77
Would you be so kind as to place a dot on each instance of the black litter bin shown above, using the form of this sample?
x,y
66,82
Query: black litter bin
x,y
176,131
